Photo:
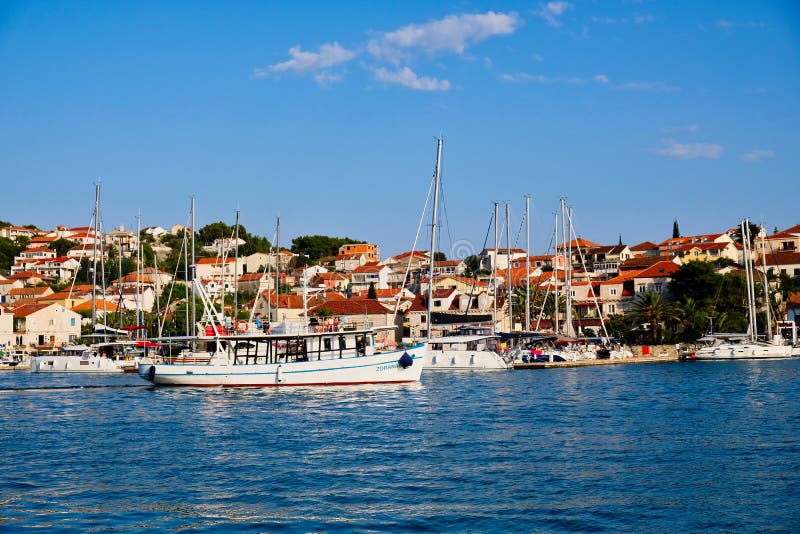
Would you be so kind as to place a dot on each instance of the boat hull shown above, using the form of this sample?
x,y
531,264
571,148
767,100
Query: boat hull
x,y
466,360
73,364
381,368
744,352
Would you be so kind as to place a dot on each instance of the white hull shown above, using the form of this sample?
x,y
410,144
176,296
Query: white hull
x,y
381,368
73,364
744,351
459,360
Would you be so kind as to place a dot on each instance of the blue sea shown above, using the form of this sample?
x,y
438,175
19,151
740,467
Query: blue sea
x,y
678,447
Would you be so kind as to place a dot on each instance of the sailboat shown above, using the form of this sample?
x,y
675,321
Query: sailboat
x,y
80,358
465,351
749,346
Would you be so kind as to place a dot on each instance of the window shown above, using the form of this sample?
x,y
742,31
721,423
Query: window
x,y
423,318
72,321
612,308
642,289
613,291
657,288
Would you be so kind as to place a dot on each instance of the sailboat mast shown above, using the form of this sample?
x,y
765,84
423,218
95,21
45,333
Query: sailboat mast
x,y
94,252
508,269
496,260
527,263
277,269
236,271
752,328
194,276
767,313
555,274
139,253
435,213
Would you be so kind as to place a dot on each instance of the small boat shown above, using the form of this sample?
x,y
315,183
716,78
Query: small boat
x,y
265,360
465,352
73,359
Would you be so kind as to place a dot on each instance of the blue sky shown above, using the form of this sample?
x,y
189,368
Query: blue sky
x,y
638,112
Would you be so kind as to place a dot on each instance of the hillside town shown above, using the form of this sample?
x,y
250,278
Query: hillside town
x,y
59,282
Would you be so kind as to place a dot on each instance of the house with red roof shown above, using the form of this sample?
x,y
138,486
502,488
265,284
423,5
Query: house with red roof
x,y
28,293
6,286
360,314
645,248
785,241
499,258
655,279
331,281
372,273
218,268
408,261
784,262
355,255
39,326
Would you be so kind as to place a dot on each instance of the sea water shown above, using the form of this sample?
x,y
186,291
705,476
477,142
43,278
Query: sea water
x,y
679,447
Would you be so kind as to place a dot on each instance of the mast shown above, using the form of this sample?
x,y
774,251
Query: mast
x,y
436,182
494,266
555,273
94,252
527,263
139,253
752,329
186,278
194,276
235,272
508,269
567,249
766,287
277,269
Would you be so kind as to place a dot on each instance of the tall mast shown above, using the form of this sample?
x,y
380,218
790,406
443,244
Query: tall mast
x,y
236,272
194,276
494,266
767,313
277,269
752,329
566,219
186,277
508,269
94,252
436,182
139,253
555,273
527,263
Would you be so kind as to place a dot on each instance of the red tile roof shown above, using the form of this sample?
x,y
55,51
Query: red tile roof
x,y
352,307
214,261
647,245
661,269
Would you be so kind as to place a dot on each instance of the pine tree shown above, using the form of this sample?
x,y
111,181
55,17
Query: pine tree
x,y
371,293
675,231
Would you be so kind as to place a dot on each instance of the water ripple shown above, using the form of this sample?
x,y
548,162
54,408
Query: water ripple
x,y
676,447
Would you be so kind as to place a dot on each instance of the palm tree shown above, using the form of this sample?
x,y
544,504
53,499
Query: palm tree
x,y
650,308
689,317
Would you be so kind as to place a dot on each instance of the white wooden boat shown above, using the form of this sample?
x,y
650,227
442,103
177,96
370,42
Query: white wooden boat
x,y
314,359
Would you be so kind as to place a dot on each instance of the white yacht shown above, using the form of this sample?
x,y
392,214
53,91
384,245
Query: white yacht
x,y
73,359
465,352
261,360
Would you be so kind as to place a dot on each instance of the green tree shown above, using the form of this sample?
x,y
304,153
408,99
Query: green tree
x,y
371,293
689,320
8,249
675,230
319,246
649,308
439,256
61,246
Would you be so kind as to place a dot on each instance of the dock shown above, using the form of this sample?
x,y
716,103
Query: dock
x,y
587,363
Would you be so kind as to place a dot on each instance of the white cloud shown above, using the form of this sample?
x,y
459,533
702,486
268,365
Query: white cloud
x,y
675,150
757,155
408,78
453,33
641,19
687,128
602,78
551,11
730,24
329,55
538,78
647,86
326,78
487,62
